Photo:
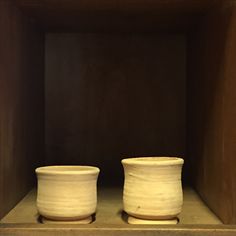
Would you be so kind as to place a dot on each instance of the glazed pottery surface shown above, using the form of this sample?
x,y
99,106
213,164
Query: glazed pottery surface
x,y
67,192
85,221
137,221
153,188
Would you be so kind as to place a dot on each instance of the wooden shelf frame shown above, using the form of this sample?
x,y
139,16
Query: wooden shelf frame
x,y
212,127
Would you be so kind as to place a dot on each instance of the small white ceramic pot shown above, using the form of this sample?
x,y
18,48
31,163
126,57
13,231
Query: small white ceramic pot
x,y
153,188
67,193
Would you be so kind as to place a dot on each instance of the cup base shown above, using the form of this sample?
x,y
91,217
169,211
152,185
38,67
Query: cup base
x,y
137,221
87,220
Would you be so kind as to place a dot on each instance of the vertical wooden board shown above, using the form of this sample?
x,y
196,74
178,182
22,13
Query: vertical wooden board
x,y
211,111
205,93
229,132
110,96
21,104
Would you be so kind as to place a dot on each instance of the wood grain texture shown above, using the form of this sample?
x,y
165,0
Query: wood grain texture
x,y
21,104
68,230
114,96
212,111
121,16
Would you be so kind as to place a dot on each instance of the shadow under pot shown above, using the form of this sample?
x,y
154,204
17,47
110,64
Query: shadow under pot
x,y
152,189
67,193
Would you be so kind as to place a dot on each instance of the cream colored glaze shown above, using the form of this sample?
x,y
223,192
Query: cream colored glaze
x,y
136,221
153,188
85,221
67,192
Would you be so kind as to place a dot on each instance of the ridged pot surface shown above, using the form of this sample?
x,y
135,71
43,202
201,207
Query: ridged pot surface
x,y
153,188
67,192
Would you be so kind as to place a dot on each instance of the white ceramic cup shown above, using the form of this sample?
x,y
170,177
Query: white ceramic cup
x,y
153,188
67,192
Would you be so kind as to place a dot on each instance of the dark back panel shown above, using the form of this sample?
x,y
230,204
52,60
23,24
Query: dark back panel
x,y
114,96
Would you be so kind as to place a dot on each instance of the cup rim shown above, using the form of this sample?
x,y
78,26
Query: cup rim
x,y
67,170
153,161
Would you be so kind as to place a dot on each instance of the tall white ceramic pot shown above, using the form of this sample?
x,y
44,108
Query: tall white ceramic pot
x,y
153,188
67,193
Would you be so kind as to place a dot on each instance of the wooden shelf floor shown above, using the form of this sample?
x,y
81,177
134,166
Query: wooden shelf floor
x,y
196,219
109,211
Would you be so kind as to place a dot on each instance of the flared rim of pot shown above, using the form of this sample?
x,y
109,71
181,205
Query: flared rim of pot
x,y
153,161
67,170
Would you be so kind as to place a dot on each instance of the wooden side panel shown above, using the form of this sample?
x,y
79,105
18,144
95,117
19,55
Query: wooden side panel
x,y
229,132
212,111
21,104
113,96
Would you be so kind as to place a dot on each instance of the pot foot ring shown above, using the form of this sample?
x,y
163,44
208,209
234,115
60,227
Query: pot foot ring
x,y
136,221
85,221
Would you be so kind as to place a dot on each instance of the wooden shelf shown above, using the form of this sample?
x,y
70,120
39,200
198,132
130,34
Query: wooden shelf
x,y
206,126
23,219
109,210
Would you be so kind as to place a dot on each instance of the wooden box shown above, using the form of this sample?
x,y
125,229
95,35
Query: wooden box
x,y
91,82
